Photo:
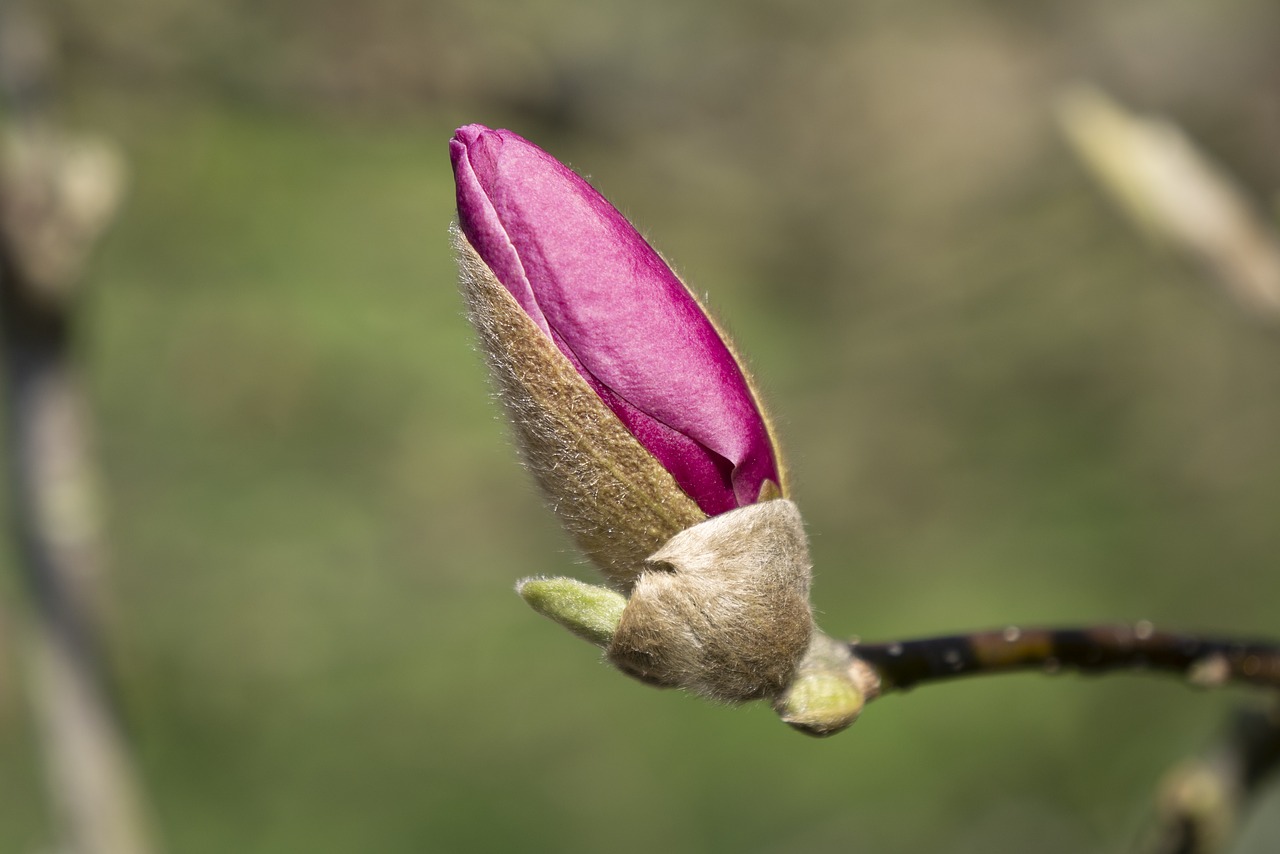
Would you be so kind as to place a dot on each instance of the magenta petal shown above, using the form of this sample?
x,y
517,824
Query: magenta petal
x,y
613,307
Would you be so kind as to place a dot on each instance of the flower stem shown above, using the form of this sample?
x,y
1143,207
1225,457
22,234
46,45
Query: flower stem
x,y
1201,660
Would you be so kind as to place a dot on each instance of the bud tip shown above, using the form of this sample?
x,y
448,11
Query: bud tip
x,y
589,611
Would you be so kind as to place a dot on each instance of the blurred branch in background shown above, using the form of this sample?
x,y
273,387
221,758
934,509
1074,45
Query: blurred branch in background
x,y
1201,802
57,194
1177,195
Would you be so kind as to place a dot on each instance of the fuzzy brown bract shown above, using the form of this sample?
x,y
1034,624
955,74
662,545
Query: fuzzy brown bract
x,y
723,607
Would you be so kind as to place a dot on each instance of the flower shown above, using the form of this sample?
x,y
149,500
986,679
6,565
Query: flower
x,y
642,428
616,311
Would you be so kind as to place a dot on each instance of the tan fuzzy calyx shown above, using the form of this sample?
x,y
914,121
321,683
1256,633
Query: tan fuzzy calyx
x,y
613,496
722,608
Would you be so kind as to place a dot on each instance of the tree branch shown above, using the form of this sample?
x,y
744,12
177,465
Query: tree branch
x,y
1201,660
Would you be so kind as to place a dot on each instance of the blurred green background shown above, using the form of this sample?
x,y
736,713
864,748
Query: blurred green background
x,y
1000,405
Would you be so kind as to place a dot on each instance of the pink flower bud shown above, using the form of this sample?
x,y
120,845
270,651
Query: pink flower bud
x,y
633,332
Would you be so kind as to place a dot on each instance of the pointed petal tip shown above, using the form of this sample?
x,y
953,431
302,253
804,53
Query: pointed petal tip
x,y
463,139
466,139
468,134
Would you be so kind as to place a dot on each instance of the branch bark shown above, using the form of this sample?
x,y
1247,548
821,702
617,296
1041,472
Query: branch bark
x,y
1203,661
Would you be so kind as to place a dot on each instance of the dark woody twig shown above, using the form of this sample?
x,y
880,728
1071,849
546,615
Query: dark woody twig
x,y
1200,801
1203,661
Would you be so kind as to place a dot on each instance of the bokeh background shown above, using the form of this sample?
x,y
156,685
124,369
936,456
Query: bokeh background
x,y
1000,405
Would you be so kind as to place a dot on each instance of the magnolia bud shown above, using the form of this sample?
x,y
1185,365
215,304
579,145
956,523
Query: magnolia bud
x,y
642,428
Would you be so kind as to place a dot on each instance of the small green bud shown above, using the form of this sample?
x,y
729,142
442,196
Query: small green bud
x,y
589,611
827,694
820,703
